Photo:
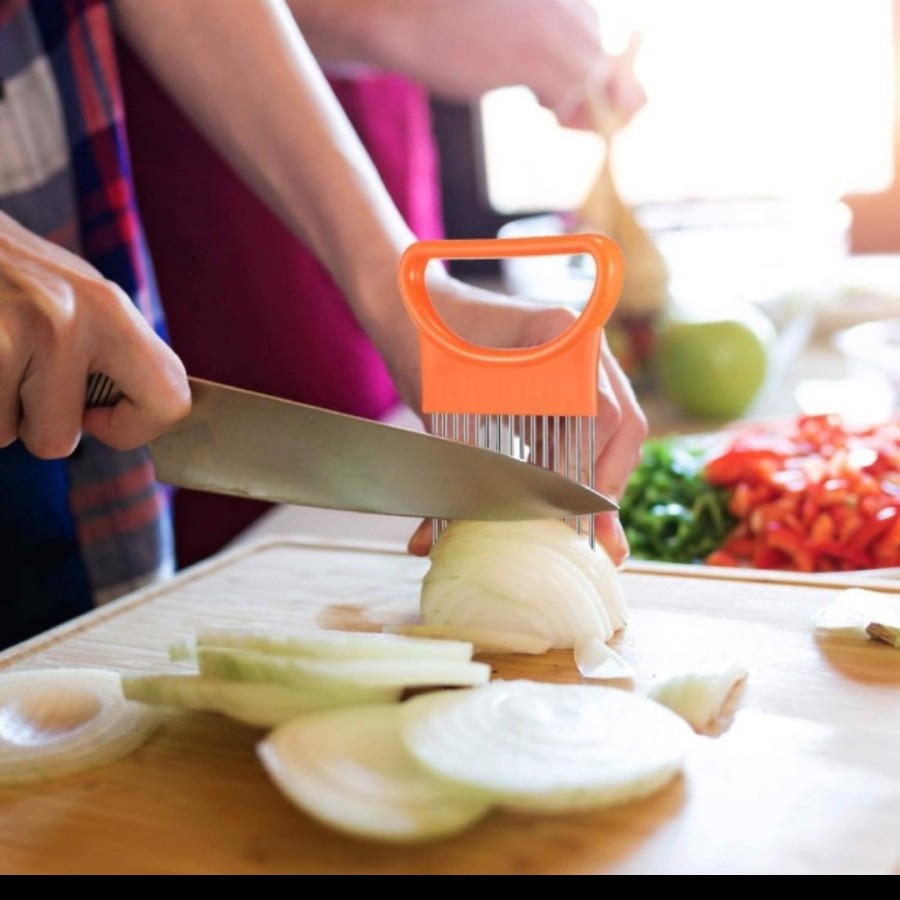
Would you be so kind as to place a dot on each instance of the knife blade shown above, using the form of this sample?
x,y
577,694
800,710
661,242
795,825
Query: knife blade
x,y
248,444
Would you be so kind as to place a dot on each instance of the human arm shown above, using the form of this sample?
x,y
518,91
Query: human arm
x,y
61,320
460,49
248,80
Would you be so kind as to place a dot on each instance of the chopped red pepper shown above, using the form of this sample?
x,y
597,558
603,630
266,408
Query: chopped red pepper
x,y
814,496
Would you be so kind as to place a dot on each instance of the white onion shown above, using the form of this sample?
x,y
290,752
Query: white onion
x,y
336,675
873,606
861,613
698,695
598,660
546,747
321,643
266,677
262,704
484,640
56,722
349,769
534,577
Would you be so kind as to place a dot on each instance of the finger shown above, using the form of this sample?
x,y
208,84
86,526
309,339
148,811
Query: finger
x,y
621,428
51,391
150,377
619,441
146,410
11,370
52,399
422,539
610,534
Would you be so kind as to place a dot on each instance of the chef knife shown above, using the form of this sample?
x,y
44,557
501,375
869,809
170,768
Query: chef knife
x,y
248,444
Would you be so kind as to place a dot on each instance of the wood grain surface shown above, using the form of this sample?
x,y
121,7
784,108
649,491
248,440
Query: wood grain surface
x,y
800,776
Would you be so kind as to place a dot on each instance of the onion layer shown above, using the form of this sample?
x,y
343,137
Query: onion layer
x,y
349,769
546,747
698,696
534,577
56,722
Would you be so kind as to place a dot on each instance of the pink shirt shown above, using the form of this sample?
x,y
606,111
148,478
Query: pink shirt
x,y
247,304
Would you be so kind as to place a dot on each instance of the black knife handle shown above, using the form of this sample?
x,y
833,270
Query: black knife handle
x,y
101,391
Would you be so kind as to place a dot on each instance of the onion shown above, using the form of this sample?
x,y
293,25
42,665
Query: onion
x,y
699,695
595,659
861,613
265,678
349,769
534,577
836,620
320,643
261,704
436,764
484,640
56,722
546,747
353,675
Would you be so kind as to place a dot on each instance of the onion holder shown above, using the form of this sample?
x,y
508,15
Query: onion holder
x,y
538,403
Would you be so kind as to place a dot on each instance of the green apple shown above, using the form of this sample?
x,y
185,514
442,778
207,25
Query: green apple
x,y
714,367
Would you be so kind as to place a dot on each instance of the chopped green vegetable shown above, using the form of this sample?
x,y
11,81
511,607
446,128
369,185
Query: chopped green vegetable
x,y
669,511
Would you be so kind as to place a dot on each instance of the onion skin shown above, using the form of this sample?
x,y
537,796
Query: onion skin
x,y
535,577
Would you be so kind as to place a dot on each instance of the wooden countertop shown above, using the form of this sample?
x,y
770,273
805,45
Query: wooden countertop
x,y
799,777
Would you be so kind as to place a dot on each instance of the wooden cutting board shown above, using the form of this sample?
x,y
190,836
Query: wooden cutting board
x,y
800,777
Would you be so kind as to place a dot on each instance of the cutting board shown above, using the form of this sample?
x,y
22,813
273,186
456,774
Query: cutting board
x,y
800,775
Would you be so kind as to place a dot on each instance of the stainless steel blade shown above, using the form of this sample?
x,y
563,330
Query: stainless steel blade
x,y
252,445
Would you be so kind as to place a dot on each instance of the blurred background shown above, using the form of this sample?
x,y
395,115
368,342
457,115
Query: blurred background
x,y
763,166
762,99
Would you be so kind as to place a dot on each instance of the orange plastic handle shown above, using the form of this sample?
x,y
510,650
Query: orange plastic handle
x,y
558,378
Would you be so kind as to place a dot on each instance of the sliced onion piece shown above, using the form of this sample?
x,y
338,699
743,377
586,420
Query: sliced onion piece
x,y
320,643
534,577
873,606
257,703
348,769
596,659
838,621
546,747
355,676
484,640
861,613
698,696
56,722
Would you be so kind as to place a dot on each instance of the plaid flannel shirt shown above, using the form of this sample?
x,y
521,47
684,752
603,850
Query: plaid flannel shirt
x,y
65,175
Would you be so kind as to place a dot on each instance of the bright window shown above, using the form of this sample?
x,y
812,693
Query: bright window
x,y
791,99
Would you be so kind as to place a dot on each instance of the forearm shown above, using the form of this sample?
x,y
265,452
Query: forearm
x,y
460,49
371,32
245,76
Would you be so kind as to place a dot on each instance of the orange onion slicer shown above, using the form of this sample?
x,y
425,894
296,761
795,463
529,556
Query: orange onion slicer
x,y
537,403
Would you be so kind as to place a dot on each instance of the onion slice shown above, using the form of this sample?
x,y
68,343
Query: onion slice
x,y
348,769
596,659
536,577
320,643
484,640
353,675
546,747
699,695
56,722
257,703
861,613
